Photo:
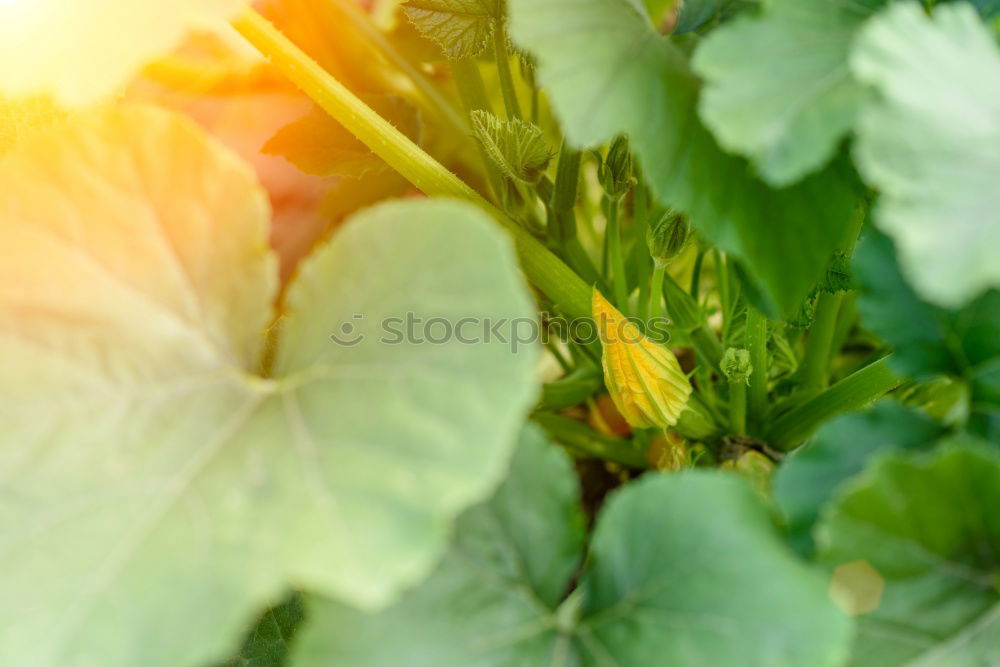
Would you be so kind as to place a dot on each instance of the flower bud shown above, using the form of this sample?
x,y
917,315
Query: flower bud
x,y
615,172
668,237
736,366
644,379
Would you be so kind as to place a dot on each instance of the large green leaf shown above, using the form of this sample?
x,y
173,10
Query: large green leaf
x,y
779,89
678,570
931,145
809,477
929,528
608,72
930,341
157,491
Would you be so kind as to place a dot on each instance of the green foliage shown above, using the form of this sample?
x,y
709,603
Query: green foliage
x,y
516,147
841,450
779,88
931,144
269,642
462,28
665,558
928,528
930,341
209,489
608,72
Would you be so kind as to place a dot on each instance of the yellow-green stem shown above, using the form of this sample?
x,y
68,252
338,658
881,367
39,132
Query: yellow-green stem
x,y
546,271
502,56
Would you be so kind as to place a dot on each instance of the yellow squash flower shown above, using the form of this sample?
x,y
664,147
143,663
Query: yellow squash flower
x,y
644,379
82,51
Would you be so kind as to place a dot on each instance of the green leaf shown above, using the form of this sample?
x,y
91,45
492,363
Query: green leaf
x,y
157,489
319,145
667,557
490,601
518,148
268,643
841,448
928,340
928,527
931,145
779,90
697,14
608,72
462,28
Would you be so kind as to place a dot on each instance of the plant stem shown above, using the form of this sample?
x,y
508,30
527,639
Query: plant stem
x,y
699,260
584,441
362,22
738,407
853,392
543,269
656,292
816,361
472,91
502,57
619,279
756,339
640,250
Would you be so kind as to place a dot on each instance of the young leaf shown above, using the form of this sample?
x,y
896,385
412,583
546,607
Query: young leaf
x,y
928,530
608,72
810,476
156,486
779,89
668,557
931,145
319,145
462,28
518,148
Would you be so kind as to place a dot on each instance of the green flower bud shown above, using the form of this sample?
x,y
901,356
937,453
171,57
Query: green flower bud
x,y
736,365
615,170
668,237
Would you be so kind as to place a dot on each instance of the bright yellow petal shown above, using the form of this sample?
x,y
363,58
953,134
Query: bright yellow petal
x,y
81,51
19,118
644,379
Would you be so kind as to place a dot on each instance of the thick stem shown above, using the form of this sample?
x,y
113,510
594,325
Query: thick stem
x,y
546,271
362,22
816,361
853,392
756,340
738,407
619,279
586,442
656,292
502,57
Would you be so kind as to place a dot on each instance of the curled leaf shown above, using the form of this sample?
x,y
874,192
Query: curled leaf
x,y
645,380
516,147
